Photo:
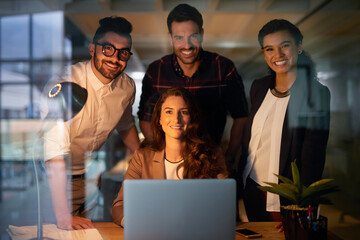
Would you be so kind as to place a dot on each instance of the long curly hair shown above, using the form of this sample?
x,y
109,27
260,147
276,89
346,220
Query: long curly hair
x,y
202,159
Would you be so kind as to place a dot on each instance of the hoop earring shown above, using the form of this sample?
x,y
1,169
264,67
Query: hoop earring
x,y
300,51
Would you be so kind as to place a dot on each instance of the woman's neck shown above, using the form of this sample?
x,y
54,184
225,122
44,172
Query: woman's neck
x,y
173,150
284,81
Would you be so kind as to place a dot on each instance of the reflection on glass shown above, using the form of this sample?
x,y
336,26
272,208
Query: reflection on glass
x,y
14,37
15,100
48,35
43,72
20,145
14,72
334,35
23,75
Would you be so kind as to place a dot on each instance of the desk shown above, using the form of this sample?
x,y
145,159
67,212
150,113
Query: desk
x,y
110,230
267,230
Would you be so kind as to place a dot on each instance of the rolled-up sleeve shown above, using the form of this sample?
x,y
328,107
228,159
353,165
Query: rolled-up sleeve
x,y
56,140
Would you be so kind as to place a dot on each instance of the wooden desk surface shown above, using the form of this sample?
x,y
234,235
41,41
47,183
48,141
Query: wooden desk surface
x,y
266,229
110,231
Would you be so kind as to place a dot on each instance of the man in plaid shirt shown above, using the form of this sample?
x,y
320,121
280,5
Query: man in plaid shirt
x,y
211,78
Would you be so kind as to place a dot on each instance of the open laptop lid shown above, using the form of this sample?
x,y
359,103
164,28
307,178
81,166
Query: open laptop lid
x,y
179,209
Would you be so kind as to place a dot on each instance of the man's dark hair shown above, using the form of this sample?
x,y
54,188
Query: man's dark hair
x,y
184,12
276,25
118,25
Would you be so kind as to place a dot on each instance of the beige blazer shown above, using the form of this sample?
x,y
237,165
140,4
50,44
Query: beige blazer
x,y
145,164
148,164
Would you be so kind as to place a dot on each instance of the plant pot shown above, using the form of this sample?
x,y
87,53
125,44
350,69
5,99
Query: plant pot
x,y
297,226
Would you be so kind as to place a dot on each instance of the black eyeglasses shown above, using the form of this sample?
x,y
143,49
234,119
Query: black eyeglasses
x,y
109,50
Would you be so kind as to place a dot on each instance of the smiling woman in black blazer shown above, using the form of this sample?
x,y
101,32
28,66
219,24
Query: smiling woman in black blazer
x,y
289,120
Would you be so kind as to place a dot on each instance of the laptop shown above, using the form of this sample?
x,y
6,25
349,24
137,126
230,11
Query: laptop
x,y
179,209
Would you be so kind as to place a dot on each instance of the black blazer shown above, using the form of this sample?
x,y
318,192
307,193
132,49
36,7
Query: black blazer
x,y
305,129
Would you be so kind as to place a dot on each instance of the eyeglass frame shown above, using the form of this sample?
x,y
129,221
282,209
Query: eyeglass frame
x,y
115,49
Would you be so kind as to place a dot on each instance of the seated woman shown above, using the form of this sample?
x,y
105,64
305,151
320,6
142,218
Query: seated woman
x,y
289,120
178,149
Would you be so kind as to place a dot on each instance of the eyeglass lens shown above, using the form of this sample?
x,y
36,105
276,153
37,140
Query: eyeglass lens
x,y
109,51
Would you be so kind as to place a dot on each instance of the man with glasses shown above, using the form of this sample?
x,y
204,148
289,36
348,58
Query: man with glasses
x,y
211,78
110,95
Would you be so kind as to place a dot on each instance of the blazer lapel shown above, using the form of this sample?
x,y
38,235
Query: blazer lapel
x,y
158,165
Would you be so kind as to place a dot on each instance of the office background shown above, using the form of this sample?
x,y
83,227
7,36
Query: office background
x,y
40,38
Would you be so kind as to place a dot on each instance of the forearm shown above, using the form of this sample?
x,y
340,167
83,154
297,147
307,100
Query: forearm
x,y
146,129
235,140
130,138
117,209
222,162
57,182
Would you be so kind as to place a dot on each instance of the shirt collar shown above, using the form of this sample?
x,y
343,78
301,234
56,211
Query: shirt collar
x,y
97,84
178,69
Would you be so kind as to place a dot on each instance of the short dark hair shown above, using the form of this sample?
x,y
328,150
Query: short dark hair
x,y
276,25
184,12
118,25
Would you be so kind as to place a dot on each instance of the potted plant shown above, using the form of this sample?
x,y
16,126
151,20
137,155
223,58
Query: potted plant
x,y
302,220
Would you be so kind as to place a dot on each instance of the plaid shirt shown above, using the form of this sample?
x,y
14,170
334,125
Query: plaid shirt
x,y
216,85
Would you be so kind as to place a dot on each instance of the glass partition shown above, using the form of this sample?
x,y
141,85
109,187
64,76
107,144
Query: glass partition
x,y
36,47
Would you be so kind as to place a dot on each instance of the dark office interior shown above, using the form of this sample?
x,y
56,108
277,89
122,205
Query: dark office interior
x,y
40,38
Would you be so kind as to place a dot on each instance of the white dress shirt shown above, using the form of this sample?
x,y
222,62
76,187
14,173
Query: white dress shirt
x,y
107,107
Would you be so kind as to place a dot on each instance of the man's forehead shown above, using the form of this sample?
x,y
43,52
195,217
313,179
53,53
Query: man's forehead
x,y
115,39
188,25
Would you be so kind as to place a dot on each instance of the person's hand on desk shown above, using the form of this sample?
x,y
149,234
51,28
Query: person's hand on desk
x,y
74,223
280,227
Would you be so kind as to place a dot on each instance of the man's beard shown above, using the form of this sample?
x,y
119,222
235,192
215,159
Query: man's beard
x,y
99,65
185,60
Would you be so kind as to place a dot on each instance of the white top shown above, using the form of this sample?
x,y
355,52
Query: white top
x,y
264,147
170,170
107,107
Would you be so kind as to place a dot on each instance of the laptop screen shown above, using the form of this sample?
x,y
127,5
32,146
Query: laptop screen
x,y
179,209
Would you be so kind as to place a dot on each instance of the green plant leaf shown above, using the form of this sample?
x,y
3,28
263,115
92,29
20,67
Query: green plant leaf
x,y
320,186
299,194
292,188
315,190
296,175
322,181
280,189
284,179
289,186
